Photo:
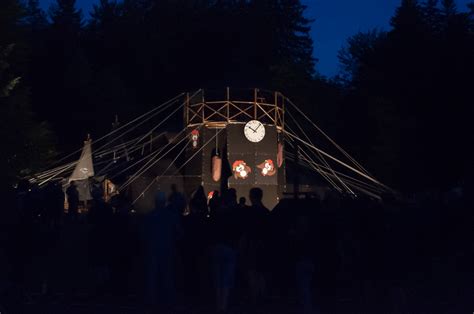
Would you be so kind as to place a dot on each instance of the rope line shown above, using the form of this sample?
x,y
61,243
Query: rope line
x,y
153,155
319,154
182,105
322,174
327,178
328,137
193,155
118,129
145,168
346,177
353,184
51,171
56,174
131,151
335,159
167,168
148,165
145,120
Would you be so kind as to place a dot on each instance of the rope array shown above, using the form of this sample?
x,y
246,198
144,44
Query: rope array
x,y
319,154
152,162
312,156
290,141
327,137
157,178
121,127
120,150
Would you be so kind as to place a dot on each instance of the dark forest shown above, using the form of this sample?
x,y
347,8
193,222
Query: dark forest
x,y
401,104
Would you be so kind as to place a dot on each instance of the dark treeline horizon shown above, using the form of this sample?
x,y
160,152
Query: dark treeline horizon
x,y
401,105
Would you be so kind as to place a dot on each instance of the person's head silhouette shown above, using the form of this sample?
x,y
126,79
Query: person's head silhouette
x,y
174,188
256,195
200,192
232,196
160,200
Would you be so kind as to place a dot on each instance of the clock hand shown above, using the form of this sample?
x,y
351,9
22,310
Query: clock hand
x,y
251,129
257,127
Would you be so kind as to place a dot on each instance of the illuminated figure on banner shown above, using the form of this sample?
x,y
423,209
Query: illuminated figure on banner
x,y
267,168
240,169
195,137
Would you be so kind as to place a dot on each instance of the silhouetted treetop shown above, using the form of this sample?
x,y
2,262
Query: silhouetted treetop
x,y
66,16
34,17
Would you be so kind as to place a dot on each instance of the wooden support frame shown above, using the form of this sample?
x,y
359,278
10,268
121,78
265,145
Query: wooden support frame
x,y
199,111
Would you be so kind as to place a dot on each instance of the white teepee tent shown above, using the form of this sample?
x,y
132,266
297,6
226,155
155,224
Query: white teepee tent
x,y
83,171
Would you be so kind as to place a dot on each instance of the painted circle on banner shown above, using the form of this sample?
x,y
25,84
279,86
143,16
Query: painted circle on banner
x,y
254,131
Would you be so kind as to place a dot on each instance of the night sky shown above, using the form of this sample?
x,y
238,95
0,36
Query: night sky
x,y
335,20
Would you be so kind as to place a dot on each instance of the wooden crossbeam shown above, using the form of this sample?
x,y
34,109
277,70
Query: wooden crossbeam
x,y
241,111
236,110
215,112
265,112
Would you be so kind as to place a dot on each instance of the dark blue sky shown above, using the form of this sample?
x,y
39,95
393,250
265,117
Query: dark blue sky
x,y
335,20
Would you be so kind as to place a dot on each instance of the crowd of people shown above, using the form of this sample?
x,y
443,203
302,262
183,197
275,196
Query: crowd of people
x,y
226,252
222,248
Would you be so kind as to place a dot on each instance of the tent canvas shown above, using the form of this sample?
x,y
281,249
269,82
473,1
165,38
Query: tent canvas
x,y
83,171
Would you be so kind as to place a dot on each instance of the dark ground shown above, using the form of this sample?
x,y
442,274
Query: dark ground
x,y
413,263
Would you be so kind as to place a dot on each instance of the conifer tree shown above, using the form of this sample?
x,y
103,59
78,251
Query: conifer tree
x,y
432,14
27,144
34,17
448,7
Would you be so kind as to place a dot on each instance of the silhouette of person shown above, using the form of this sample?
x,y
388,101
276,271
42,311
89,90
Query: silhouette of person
x,y
224,252
198,202
54,204
73,200
162,230
302,244
100,218
177,199
242,203
195,246
22,236
123,247
253,245
230,198
49,230
214,202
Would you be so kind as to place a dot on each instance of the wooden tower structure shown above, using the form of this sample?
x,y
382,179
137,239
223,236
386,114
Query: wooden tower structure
x,y
236,141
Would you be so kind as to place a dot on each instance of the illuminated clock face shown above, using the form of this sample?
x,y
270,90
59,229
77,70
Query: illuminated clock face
x,y
254,131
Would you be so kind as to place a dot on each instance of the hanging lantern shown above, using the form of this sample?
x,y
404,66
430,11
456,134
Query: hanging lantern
x,y
280,155
216,168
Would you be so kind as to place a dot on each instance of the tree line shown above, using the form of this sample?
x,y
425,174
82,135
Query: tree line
x,y
409,94
401,103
